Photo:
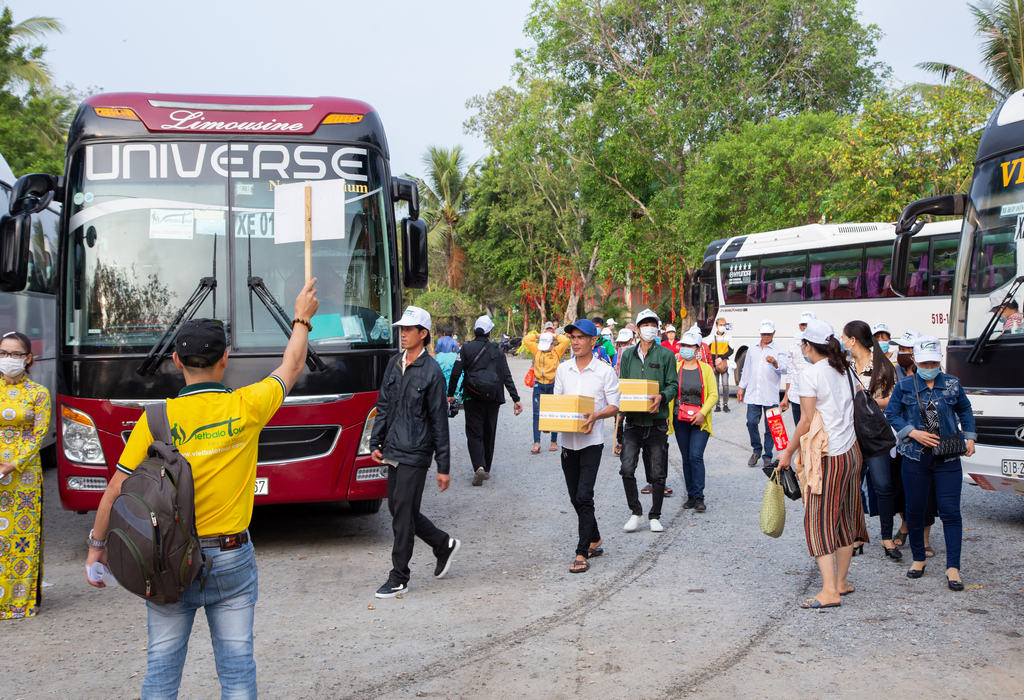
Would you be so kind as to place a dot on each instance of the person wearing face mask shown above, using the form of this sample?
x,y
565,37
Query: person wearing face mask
x,y
718,347
625,339
905,354
25,419
647,432
924,407
880,332
697,390
764,364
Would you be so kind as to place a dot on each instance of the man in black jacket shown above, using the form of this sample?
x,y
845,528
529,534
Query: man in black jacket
x,y
486,371
411,427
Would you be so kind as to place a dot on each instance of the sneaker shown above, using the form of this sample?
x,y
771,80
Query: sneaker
x,y
700,507
487,476
656,525
690,503
444,562
634,523
726,408
391,589
478,477
717,409
752,462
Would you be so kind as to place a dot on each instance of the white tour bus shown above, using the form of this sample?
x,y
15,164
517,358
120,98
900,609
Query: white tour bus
x,y
841,272
33,311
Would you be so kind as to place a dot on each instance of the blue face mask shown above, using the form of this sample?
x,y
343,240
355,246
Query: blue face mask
x,y
688,353
928,374
884,344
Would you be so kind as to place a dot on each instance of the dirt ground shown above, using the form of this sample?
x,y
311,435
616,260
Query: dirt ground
x,y
706,609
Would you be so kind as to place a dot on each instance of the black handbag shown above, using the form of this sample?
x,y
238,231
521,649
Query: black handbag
x,y
949,445
874,434
790,485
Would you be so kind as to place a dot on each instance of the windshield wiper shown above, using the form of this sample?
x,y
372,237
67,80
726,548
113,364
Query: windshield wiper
x,y
979,345
158,351
256,285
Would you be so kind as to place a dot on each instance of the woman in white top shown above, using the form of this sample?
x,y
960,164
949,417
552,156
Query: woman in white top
x,y
834,519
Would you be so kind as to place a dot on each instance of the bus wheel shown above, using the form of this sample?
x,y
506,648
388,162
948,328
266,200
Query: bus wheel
x,y
366,507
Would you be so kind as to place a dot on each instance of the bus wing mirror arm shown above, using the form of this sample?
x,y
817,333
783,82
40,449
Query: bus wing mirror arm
x,y
974,357
33,193
156,353
313,361
406,191
909,225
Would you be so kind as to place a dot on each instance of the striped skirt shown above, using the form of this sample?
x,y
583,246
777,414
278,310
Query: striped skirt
x,y
835,519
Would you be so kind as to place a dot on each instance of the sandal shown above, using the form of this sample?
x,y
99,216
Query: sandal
x,y
554,447
646,489
579,567
815,604
594,552
903,537
668,491
535,450
928,551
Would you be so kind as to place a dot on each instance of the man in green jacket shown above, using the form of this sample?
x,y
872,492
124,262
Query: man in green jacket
x,y
647,431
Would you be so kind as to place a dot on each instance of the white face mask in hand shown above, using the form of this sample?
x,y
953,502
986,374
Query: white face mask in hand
x,y
648,333
11,366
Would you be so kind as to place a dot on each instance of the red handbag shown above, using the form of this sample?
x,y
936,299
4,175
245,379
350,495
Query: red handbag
x,y
530,378
686,410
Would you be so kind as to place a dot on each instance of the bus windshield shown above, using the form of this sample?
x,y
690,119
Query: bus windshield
x,y
990,247
150,220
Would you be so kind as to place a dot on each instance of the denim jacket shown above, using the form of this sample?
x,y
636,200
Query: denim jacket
x,y
952,403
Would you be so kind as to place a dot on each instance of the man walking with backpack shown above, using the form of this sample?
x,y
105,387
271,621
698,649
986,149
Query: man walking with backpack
x,y
217,431
486,371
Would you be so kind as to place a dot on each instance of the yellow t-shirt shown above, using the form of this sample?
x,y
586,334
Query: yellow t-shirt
x,y
217,430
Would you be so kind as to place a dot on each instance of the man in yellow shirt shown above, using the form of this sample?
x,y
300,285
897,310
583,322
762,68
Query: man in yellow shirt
x,y
217,430
547,350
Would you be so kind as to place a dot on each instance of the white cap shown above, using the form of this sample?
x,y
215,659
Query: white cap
x,y
549,325
611,323
927,349
544,341
646,314
880,328
995,299
692,337
625,335
670,328
818,332
807,316
767,326
907,339
414,316
607,332
484,323
798,336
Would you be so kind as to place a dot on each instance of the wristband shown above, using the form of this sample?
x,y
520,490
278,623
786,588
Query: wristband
x,y
307,324
96,543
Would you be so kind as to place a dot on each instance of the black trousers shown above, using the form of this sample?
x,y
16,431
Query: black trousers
x,y
580,469
405,492
481,426
652,443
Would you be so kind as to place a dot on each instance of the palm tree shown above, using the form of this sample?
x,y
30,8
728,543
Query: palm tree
x,y
1000,23
444,200
25,61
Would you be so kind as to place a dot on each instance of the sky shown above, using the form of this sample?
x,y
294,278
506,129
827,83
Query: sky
x,y
416,62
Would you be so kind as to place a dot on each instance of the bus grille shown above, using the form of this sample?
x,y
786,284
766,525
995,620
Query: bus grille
x,y
998,432
290,443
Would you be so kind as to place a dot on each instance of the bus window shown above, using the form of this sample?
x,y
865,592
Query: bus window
x,y
943,264
739,279
918,269
835,274
782,278
995,260
878,271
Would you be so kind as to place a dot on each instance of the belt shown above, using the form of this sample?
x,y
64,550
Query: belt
x,y
225,542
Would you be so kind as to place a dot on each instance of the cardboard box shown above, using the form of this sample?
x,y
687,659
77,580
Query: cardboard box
x,y
637,395
563,413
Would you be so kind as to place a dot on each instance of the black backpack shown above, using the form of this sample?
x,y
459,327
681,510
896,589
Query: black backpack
x,y
152,544
874,434
482,384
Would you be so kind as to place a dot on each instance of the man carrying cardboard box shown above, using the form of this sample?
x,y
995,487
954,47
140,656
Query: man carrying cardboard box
x,y
647,430
581,452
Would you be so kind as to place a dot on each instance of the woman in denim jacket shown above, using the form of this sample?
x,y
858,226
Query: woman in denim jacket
x,y
920,469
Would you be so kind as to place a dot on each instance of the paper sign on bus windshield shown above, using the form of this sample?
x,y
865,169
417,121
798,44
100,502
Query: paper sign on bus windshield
x,y
328,211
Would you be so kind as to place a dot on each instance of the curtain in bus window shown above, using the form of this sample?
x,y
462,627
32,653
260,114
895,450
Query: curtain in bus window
x,y
878,272
783,277
995,260
918,269
739,278
943,265
836,274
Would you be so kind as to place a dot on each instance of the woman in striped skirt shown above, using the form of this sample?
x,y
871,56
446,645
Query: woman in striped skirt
x,y
834,518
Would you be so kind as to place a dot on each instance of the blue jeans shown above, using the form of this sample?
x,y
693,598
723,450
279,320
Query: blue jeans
x,y
947,478
539,389
230,601
795,407
754,414
692,439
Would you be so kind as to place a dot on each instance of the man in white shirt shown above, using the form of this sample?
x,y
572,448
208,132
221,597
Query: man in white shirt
x,y
764,364
584,375
796,363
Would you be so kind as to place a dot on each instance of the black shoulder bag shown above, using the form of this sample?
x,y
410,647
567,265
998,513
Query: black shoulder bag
x,y
485,384
949,445
874,434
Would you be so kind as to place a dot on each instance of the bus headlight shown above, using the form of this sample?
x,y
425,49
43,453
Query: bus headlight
x,y
364,439
80,438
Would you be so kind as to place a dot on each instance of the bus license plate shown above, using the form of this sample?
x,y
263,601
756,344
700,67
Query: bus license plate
x,y
1013,467
262,485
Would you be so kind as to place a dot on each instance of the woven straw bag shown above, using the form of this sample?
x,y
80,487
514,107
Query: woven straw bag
x,y
773,507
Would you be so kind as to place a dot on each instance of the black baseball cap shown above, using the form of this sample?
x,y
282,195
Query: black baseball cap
x,y
203,337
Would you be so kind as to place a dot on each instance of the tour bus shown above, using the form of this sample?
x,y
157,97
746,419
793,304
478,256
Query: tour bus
x,y
169,206
986,357
31,309
841,272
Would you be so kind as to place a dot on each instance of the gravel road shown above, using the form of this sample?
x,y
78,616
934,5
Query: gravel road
x,y
706,609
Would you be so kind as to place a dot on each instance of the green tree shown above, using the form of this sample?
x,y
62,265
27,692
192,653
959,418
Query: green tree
x,y
21,59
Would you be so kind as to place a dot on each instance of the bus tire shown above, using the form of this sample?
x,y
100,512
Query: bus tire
x,y
368,507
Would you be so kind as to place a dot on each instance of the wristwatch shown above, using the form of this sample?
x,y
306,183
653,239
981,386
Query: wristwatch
x,y
96,543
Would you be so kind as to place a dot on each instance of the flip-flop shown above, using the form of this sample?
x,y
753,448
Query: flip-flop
x,y
574,567
668,491
594,552
848,592
815,604
646,489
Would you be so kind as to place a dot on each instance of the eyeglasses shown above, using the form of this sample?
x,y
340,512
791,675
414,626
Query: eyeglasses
x,y
15,355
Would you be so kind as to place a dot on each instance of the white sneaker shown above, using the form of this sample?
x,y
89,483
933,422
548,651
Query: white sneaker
x,y
634,523
656,526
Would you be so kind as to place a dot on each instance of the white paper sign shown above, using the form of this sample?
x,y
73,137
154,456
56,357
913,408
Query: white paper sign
x,y
170,223
328,211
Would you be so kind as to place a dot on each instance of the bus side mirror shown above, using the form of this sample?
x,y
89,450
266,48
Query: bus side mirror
x,y
414,253
900,280
406,191
15,236
32,193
